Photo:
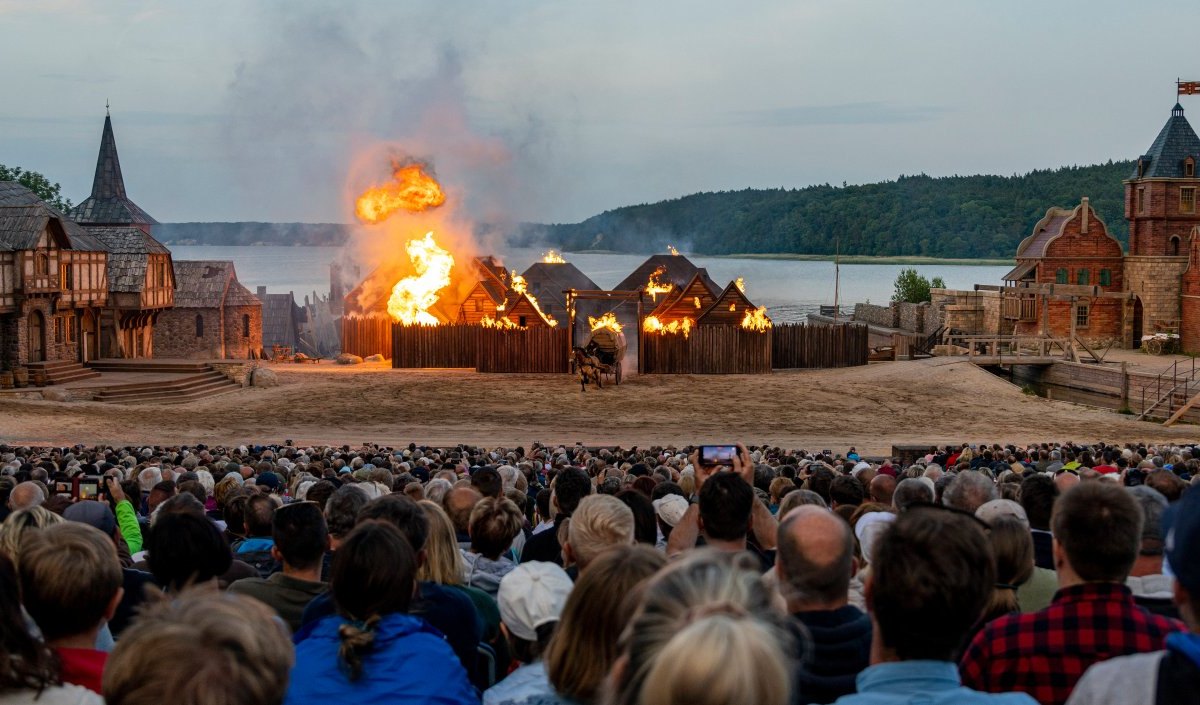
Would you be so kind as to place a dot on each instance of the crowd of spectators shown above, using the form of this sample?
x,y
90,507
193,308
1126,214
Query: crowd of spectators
x,y
1051,573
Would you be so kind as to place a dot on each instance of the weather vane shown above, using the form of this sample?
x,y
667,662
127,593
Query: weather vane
x,y
106,112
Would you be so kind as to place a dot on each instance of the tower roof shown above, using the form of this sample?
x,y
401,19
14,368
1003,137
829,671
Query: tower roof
x,y
1176,142
109,204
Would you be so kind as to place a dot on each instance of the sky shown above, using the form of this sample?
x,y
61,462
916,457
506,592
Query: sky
x,y
281,110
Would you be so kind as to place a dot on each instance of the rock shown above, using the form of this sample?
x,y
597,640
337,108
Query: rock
x,y
55,395
374,358
264,377
348,359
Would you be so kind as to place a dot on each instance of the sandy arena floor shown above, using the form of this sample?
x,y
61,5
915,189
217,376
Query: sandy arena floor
x,y
873,407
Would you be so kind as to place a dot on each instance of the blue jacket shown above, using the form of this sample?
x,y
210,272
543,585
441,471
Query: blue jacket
x,y
410,663
924,682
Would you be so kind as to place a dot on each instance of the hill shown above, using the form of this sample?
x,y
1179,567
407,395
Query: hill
x,y
954,216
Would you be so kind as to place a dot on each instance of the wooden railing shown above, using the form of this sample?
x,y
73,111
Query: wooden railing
x,y
1012,346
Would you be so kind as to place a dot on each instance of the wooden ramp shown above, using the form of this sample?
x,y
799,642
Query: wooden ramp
x,y
1195,399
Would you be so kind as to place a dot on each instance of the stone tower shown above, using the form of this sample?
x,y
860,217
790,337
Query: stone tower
x,y
1160,205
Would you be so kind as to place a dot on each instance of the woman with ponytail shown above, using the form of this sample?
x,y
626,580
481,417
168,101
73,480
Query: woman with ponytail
x,y
372,650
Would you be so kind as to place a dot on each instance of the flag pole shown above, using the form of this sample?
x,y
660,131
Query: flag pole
x,y
837,275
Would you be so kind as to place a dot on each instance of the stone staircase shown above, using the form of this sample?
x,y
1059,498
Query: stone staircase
x,y
62,372
194,380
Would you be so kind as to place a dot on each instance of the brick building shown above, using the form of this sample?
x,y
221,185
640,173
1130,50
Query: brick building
x,y
214,316
1070,268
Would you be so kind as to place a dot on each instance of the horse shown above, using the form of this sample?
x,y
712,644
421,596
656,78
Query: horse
x,y
589,369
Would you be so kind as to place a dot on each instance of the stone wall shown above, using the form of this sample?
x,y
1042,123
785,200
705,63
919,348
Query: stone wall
x,y
175,334
61,341
237,371
1157,282
970,312
875,315
912,317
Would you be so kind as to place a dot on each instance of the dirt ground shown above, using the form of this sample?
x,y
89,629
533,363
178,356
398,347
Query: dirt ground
x,y
872,408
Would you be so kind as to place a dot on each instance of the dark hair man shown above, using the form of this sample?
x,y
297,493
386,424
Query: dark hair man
x,y
300,539
255,549
814,563
570,486
1038,493
1173,675
1097,533
930,579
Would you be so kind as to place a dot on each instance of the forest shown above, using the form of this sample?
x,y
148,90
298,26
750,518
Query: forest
x,y
952,216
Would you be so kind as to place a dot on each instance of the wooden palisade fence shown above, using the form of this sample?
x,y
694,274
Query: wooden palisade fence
x,y
708,350
367,335
799,345
528,350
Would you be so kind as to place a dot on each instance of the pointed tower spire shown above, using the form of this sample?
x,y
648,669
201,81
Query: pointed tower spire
x,y
108,182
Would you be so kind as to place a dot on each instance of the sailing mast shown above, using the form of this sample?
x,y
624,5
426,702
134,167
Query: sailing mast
x,y
837,274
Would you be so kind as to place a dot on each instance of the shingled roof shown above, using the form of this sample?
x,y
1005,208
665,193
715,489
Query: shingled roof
x,y
1176,142
548,280
24,216
209,284
280,317
109,204
677,269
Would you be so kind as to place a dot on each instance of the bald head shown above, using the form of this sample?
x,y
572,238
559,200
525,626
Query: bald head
x,y
459,502
815,559
882,488
26,495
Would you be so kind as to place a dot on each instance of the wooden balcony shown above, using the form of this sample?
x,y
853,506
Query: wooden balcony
x,y
1019,308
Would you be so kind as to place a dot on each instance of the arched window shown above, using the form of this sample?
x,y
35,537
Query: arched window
x,y
1175,246
199,326
245,325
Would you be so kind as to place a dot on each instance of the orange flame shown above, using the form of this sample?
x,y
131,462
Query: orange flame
x,y
552,257
656,286
652,325
608,320
412,296
740,283
672,250
757,320
499,322
519,285
413,190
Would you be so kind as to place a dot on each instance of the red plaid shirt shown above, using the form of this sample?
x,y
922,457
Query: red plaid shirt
x,y
1045,653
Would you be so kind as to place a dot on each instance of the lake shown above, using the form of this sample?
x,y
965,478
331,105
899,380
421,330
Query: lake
x,y
790,289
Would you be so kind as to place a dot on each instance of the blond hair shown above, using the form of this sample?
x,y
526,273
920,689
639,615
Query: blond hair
x,y
201,648
584,645
70,574
443,561
705,633
600,523
19,524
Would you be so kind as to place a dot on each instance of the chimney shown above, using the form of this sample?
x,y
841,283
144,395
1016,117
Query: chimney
x,y
262,291
1083,228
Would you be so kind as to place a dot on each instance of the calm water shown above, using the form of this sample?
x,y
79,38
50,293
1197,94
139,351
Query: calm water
x,y
789,289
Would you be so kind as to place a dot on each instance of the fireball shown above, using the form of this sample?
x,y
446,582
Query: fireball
x,y
412,189
413,296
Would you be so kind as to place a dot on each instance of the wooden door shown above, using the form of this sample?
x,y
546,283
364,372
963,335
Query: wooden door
x,y
37,337
87,340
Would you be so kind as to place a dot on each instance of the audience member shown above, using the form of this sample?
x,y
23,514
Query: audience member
x,y
300,540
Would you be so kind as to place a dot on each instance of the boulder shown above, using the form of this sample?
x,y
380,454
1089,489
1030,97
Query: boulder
x,y
348,359
56,395
374,358
264,377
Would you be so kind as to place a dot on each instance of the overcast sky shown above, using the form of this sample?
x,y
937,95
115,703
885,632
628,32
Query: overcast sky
x,y
555,111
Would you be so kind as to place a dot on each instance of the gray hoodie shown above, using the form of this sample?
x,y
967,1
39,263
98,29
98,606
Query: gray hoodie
x,y
484,573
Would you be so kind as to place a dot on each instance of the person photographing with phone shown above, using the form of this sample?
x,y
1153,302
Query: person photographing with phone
x,y
727,515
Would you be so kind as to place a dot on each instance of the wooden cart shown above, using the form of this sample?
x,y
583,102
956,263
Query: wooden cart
x,y
609,346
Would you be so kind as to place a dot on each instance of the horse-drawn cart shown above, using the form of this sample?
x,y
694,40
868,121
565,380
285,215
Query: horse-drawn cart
x,y
608,346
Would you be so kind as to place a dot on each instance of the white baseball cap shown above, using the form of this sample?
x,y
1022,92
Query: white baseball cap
x,y
532,594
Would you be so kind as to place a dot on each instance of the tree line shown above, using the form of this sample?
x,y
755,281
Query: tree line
x,y
952,216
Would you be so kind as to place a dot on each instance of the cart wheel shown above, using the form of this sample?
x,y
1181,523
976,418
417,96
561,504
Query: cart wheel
x,y
1154,347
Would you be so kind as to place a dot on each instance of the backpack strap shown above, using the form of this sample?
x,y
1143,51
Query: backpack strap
x,y
1178,680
